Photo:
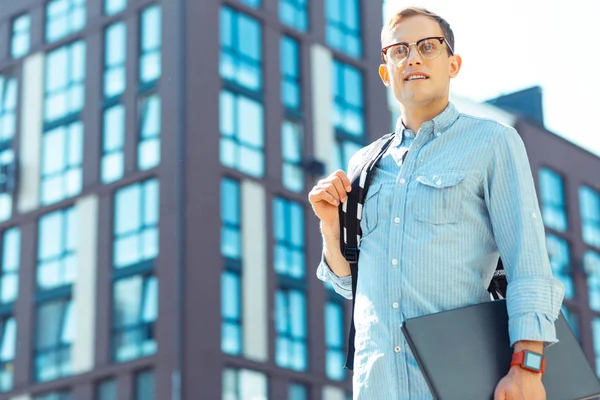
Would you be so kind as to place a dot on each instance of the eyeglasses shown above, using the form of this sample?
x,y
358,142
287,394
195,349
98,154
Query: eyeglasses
x,y
429,47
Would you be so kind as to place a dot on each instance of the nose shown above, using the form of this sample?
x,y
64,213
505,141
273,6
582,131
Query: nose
x,y
414,57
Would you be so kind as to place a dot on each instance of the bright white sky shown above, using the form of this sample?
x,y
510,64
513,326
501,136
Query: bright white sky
x,y
509,45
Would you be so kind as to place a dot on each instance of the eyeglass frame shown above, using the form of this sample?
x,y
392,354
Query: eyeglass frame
x,y
442,39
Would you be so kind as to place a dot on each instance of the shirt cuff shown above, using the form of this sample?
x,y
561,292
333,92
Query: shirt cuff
x,y
342,285
533,304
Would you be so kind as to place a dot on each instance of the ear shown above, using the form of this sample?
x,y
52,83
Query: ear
x,y
455,64
385,75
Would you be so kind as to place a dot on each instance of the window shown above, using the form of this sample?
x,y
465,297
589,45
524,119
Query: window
x,y
62,143
297,391
8,127
53,396
57,244
20,36
241,58
348,112
290,297
572,320
112,7
135,291
136,224
291,150
106,390
294,13
145,385
231,250
242,384
9,271
589,204
596,334
150,45
252,3
342,30
54,334
64,17
113,138
334,340
591,265
560,261
115,54
290,74
149,140
554,213
242,133
8,343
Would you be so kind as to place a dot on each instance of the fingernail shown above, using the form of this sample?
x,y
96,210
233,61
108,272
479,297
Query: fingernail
x,y
348,188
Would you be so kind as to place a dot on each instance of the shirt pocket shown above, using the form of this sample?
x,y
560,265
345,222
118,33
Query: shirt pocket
x,y
438,197
370,214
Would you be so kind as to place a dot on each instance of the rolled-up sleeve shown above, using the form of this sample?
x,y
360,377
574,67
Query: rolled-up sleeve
x,y
534,296
342,285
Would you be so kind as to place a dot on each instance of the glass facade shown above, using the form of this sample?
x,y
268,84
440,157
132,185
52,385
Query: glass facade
x,y
589,206
552,196
21,36
8,128
294,13
342,30
64,17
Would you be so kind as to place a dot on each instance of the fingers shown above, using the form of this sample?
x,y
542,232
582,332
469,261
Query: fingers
x,y
322,194
345,180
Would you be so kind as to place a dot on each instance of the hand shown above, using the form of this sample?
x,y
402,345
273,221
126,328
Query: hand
x,y
326,196
520,384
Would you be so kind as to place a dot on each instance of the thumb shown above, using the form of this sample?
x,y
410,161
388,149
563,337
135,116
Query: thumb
x,y
500,394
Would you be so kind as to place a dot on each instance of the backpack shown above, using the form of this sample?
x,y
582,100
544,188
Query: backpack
x,y
350,215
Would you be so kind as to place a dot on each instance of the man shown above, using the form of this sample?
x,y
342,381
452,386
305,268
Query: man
x,y
452,194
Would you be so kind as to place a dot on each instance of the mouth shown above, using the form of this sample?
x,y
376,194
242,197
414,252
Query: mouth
x,y
416,77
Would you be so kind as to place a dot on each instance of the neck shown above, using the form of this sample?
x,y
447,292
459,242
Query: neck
x,y
413,116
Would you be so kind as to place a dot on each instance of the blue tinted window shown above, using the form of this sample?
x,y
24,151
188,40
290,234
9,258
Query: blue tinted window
x,y
231,295
62,156
241,122
135,310
560,261
297,391
294,13
596,334
9,271
150,45
240,49
136,224
106,390
589,205
290,72
145,386
288,217
342,31
8,126
54,335
113,142
252,3
591,266
21,32
8,344
290,326
149,138
57,244
63,395
231,245
115,54
242,384
64,17
334,341
348,111
112,7
552,196
291,151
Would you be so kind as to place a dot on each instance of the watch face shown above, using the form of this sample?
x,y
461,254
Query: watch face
x,y
533,361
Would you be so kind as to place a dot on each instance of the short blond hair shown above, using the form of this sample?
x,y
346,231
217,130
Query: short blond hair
x,y
407,12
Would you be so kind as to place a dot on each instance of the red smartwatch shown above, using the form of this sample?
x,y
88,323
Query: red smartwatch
x,y
529,360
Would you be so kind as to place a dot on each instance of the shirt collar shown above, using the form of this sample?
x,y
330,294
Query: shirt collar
x,y
436,126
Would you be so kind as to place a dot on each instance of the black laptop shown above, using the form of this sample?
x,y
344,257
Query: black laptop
x,y
464,353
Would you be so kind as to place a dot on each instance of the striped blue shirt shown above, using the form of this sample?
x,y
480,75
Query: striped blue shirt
x,y
433,228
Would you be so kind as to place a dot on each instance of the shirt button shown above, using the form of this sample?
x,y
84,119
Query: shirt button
x,y
394,262
397,220
437,134
395,305
397,349
402,181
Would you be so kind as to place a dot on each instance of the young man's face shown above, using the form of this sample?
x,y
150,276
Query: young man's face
x,y
438,71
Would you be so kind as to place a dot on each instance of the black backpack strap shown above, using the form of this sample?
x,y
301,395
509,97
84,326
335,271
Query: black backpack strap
x,y
350,215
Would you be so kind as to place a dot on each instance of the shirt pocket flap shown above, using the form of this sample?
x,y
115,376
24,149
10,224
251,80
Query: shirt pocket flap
x,y
373,190
441,179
